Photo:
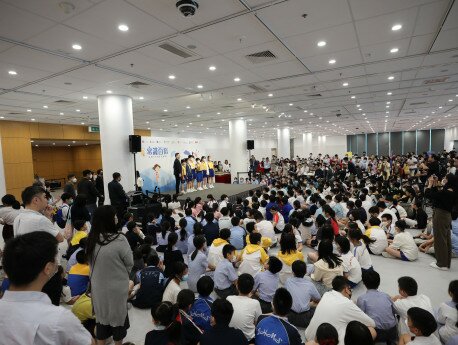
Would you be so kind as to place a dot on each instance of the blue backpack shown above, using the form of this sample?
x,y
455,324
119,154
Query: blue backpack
x,y
59,217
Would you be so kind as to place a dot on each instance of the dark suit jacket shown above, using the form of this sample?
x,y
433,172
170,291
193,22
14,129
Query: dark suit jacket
x,y
87,188
70,189
117,195
177,167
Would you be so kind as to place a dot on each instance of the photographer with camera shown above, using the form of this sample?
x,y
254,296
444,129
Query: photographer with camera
x,y
444,200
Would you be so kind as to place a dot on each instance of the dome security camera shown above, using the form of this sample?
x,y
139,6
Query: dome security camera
x,y
187,7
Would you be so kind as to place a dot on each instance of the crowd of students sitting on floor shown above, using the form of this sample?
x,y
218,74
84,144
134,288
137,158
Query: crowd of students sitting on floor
x,y
207,271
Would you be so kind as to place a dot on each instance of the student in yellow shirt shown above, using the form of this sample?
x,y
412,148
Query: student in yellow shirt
x,y
81,232
288,254
82,309
204,168
193,175
266,242
211,173
253,256
183,175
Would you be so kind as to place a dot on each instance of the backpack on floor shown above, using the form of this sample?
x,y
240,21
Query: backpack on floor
x,y
59,217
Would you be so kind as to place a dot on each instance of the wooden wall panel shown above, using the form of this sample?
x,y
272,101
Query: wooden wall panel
x,y
142,132
50,131
52,162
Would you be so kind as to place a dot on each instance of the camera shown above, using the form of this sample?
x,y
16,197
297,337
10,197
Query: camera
x,y
187,7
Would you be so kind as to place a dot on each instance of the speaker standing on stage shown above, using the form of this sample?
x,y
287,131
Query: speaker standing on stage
x,y
177,172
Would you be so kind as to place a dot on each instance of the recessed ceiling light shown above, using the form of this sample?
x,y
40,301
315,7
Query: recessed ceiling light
x,y
396,27
389,93
440,107
68,145
358,105
82,123
450,100
239,99
218,114
77,110
76,46
270,95
123,27
388,102
188,107
141,98
332,61
237,79
394,50
353,97
165,110
32,119
198,115
163,120
291,104
45,106
321,43
345,84
61,113
391,77
212,68
387,106
12,72
147,122
29,110
84,97
2,117
200,86
171,77
109,91
149,127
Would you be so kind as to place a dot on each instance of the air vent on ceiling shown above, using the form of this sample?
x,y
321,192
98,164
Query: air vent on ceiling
x,y
63,101
261,57
410,112
418,103
175,49
227,106
15,113
256,88
137,84
435,80
315,95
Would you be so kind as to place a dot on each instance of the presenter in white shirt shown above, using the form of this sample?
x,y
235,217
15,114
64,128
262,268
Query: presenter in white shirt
x,y
27,315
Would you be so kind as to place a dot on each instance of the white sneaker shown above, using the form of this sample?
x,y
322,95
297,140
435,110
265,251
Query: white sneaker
x,y
212,186
205,187
184,192
434,265
199,188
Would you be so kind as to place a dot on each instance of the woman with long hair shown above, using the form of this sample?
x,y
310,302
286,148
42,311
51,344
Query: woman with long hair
x,y
172,254
167,330
328,266
198,263
288,254
111,260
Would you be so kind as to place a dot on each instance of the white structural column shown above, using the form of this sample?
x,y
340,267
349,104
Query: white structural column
x,y
2,172
239,159
306,144
116,124
283,146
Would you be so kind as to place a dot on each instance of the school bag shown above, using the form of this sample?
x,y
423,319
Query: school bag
x,y
59,218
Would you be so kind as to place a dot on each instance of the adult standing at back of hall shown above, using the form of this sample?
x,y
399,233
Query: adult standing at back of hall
x,y
111,260
118,197
177,172
87,187
99,186
444,201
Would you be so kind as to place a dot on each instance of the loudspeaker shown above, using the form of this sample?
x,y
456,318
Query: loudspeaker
x,y
250,144
135,143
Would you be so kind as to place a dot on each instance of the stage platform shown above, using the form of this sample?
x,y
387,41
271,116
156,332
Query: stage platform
x,y
231,190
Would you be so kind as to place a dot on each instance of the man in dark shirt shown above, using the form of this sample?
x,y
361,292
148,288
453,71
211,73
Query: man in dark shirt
x,y
433,167
99,186
269,205
117,195
420,215
177,172
87,187
221,333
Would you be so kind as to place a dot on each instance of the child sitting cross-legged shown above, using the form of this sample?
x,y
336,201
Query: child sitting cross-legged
x,y
266,283
253,256
421,323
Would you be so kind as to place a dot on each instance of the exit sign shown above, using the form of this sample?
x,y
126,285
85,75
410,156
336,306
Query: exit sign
x,y
94,129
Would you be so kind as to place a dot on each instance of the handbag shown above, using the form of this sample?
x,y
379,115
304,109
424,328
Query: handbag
x,y
68,230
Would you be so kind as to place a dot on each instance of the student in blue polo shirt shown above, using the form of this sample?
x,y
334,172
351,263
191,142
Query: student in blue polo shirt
x,y
304,293
266,283
201,309
275,329
225,274
221,333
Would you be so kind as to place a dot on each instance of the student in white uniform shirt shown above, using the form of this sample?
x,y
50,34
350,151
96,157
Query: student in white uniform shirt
x,y
351,267
422,324
337,308
407,299
403,245
447,315
378,235
27,315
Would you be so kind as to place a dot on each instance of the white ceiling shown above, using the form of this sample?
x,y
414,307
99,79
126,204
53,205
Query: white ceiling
x,y
36,39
